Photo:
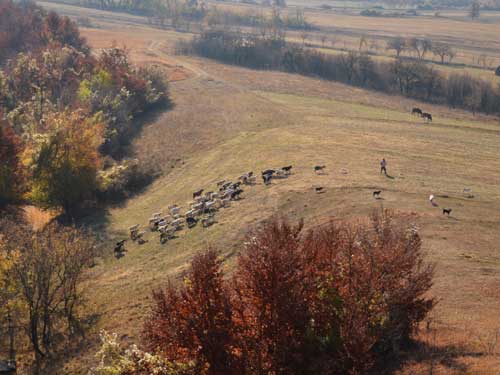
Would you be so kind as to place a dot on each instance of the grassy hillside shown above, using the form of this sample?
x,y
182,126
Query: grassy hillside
x,y
229,120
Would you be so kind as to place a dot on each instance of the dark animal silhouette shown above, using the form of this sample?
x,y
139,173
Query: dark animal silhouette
x,y
268,171
267,178
319,168
197,193
427,116
236,194
288,168
319,189
191,222
120,246
376,194
447,211
236,185
417,111
225,186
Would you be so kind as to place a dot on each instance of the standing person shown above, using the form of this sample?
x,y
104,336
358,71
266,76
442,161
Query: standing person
x,y
383,165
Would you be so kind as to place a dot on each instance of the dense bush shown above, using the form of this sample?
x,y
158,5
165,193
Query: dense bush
x,y
113,360
334,300
71,108
10,167
409,77
26,27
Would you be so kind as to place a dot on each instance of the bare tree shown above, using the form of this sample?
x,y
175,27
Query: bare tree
x,y
397,44
442,50
348,61
323,40
48,269
363,42
420,46
475,10
333,41
304,36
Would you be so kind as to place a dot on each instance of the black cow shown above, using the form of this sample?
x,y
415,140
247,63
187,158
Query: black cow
x,y
416,111
427,116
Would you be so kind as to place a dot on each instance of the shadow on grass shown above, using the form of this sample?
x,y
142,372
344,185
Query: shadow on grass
x,y
429,357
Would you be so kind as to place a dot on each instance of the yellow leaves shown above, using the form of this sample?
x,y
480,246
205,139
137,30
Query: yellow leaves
x,y
102,80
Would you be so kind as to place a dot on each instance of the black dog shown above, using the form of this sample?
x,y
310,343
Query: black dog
x,y
319,168
120,246
447,211
376,194
191,222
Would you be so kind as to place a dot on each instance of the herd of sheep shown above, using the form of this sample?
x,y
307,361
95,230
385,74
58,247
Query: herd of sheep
x,y
202,208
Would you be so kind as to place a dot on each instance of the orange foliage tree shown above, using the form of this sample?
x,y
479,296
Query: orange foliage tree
x,y
10,168
334,300
65,164
195,321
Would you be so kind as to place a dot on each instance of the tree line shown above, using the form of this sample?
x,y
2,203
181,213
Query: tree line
x,y
338,299
67,114
408,77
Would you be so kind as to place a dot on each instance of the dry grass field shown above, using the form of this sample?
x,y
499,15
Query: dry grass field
x,y
228,120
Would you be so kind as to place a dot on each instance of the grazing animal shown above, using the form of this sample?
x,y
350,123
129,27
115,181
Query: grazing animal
x,y
267,178
319,168
120,246
236,194
319,189
226,185
191,222
376,194
250,174
427,116
236,185
287,169
220,183
447,211
268,171
417,111
198,193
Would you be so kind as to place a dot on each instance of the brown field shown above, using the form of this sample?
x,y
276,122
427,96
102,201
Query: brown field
x,y
228,120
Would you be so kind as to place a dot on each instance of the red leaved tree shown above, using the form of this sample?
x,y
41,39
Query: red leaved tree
x,y
272,291
336,300
194,322
372,285
10,167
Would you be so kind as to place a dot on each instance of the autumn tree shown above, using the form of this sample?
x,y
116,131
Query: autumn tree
x,y
10,167
194,322
66,163
272,290
46,270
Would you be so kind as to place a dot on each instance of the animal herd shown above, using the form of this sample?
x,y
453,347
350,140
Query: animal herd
x,y
202,208
206,203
